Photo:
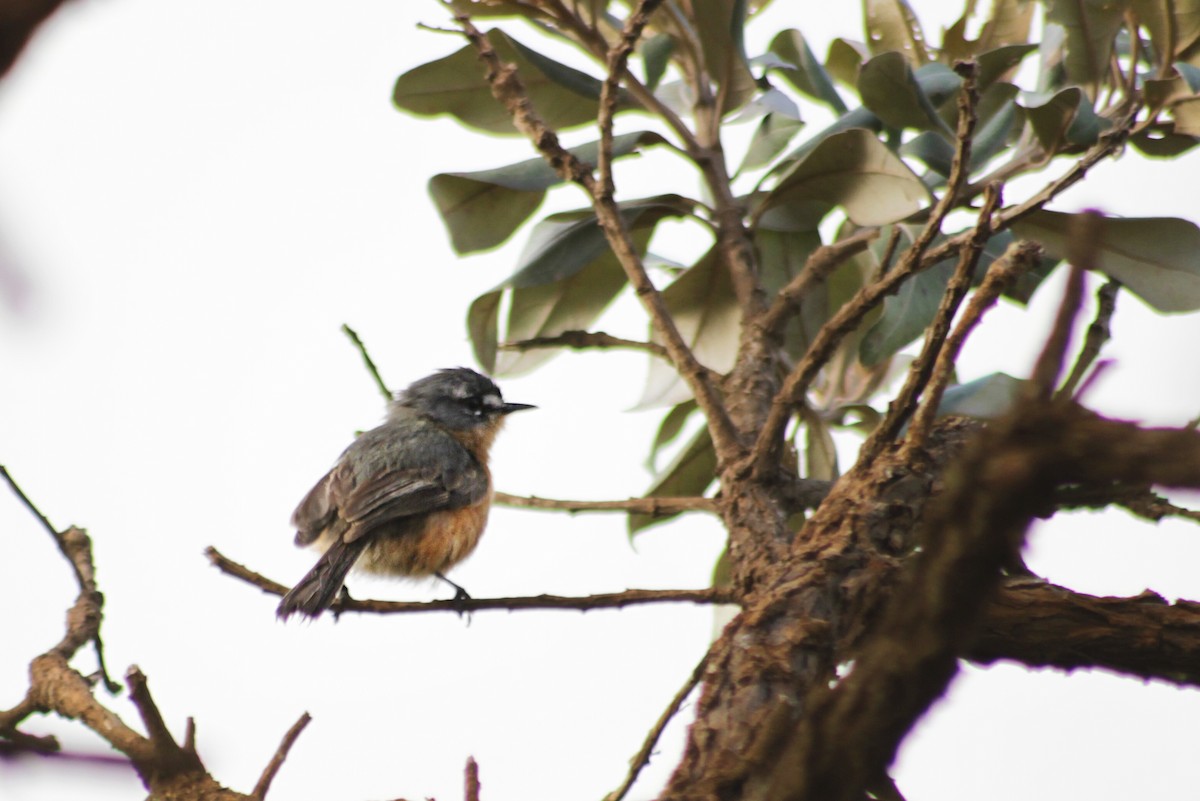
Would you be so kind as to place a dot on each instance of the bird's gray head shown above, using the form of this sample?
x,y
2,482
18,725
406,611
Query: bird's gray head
x,y
458,398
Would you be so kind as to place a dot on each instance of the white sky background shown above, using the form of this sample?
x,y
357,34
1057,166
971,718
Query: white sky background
x,y
197,196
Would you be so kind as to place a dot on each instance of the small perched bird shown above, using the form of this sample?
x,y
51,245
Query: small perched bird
x,y
409,498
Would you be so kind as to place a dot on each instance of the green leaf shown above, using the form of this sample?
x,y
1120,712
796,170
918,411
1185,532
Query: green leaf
x,y
483,326
567,259
1186,114
719,24
1091,27
656,54
483,209
804,72
998,64
563,244
844,58
910,311
455,85
1177,30
1156,258
1162,145
546,310
891,25
781,255
985,398
820,451
1066,119
770,138
705,310
887,87
688,475
932,150
669,429
851,169
1007,24
1162,92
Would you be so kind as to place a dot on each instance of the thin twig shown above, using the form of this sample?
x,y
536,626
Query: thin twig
x,y
819,265
889,252
921,369
655,507
595,42
1050,361
20,493
612,600
366,357
1097,334
75,545
579,340
1019,257
642,757
617,61
285,745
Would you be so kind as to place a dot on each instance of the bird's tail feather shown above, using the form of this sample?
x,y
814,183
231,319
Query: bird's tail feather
x,y
317,591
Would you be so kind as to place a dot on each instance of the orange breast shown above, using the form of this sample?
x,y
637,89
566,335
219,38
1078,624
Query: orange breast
x,y
444,539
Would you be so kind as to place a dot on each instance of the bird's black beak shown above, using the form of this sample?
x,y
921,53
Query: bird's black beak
x,y
509,408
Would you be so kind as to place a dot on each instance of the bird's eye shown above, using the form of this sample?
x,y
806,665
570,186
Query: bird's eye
x,y
474,405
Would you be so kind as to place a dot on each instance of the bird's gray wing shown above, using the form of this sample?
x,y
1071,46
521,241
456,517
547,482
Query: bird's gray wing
x,y
391,495
319,509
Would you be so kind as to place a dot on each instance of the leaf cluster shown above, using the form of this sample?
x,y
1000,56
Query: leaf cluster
x,y
1050,87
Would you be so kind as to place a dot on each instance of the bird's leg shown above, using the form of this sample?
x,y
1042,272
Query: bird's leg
x,y
459,593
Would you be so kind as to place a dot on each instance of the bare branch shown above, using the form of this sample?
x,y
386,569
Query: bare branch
x,y
579,340
823,261
1097,334
595,43
76,547
289,739
642,758
45,521
1044,625
770,438
613,600
367,360
654,507
1006,479
1050,362
935,336
1019,257
618,59
471,780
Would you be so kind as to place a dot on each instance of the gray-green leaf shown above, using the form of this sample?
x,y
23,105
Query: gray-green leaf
x,y
1156,258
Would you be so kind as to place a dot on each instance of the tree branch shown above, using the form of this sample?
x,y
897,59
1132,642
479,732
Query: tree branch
x,y
922,367
368,361
1043,625
642,758
819,265
851,731
770,438
1097,334
289,739
1019,258
508,89
612,600
655,507
616,61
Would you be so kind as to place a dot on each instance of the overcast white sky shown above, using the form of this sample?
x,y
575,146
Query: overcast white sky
x,y
195,196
